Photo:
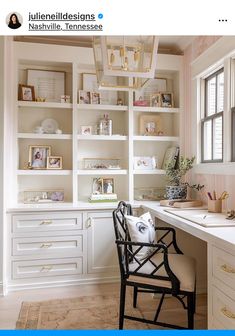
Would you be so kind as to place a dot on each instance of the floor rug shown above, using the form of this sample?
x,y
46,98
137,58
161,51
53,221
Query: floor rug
x,y
87,312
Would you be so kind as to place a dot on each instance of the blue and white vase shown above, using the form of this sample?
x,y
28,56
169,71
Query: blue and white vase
x,y
176,192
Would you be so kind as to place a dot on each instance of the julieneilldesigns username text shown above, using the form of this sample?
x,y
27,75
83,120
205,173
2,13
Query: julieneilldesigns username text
x,y
60,21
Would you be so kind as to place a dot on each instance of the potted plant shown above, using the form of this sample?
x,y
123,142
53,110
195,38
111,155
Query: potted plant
x,y
177,187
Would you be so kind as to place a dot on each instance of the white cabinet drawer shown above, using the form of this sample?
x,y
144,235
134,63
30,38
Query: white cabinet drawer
x,y
46,222
67,246
223,266
223,308
46,268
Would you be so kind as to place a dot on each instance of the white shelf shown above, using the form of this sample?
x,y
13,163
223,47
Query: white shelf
x,y
102,137
150,172
44,104
155,138
156,109
44,136
102,107
29,172
102,172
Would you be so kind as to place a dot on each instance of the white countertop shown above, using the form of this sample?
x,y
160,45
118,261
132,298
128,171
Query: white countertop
x,y
222,235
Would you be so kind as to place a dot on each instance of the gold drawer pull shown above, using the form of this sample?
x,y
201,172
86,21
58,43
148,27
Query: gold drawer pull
x,y
46,222
46,245
227,269
46,268
227,313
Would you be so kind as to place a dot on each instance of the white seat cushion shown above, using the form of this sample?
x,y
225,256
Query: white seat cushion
x,y
182,266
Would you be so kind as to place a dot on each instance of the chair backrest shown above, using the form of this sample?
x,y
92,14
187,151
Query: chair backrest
x,y
122,234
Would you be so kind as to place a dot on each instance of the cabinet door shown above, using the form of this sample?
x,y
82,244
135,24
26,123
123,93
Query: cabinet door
x,y
102,252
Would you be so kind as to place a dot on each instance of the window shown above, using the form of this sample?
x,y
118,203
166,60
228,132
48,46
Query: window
x,y
212,121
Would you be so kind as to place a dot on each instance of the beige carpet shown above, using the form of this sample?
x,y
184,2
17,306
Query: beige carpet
x,y
98,312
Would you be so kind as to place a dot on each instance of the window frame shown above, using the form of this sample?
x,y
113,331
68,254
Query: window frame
x,y
211,118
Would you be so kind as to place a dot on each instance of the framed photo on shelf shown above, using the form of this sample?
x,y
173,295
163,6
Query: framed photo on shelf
x,y
97,186
54,162
145,162
171,156
155,100
108,185
86,130
95,98
99,163
43,196
167,99
153,86
38,156
84,97
150,124
26,92
48,84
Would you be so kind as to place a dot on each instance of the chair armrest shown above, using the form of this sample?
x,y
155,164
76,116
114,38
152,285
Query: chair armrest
x,y
173,239
157,247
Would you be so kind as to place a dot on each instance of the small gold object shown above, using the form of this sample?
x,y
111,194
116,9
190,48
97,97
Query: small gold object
x,y
228,313
46,222
227,269
121,51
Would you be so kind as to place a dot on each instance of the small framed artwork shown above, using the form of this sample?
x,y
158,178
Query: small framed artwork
x,y
48,84
150,125
38,157
155,100
145,162
95,98
108,185
167,99
86,130
54,162
97,186
26,92
84,97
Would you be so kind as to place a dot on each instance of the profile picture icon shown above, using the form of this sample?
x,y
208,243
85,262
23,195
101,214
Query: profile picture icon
x,y
14,20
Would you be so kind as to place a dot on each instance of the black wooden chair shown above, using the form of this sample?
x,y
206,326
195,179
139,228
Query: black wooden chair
x,y
161,272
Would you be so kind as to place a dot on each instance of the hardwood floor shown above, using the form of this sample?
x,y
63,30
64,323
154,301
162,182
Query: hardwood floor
x,y
172,309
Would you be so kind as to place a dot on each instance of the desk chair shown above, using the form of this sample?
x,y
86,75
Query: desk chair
x,y
160,272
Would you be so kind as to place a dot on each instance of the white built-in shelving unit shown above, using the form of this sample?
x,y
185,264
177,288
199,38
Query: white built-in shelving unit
x,y
125,143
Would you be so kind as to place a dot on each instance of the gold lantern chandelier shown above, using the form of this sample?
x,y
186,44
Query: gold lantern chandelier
x,y
124,62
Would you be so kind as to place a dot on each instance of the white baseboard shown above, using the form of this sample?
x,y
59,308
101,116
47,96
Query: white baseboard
x,y
20,286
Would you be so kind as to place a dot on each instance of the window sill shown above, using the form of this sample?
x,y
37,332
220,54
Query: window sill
x,y
223,168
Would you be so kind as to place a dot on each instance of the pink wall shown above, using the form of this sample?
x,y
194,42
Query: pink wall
x,y
219,183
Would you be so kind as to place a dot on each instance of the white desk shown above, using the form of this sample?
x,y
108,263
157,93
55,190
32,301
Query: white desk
x,y
220,264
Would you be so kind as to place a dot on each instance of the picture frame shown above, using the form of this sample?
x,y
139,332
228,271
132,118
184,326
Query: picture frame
x,y
48,84
86,130
145,162
100,163
150,125
38,156
97,186
167,99
54,162
95,98
26,92
84,97
44,196
155,100
171,156
108,185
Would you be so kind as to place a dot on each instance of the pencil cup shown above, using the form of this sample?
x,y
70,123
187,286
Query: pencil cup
x,y
215,205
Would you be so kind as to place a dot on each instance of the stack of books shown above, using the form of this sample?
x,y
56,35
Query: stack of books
x,y
97,198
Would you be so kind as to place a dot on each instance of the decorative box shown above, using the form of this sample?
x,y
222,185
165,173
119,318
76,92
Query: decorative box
x,y
99,163
141,103
149,194
43,196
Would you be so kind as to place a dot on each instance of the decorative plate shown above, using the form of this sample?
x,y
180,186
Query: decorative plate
x,y
49,126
